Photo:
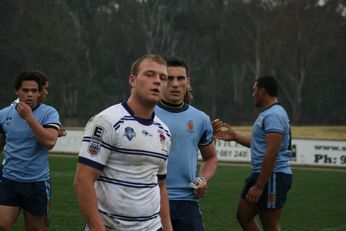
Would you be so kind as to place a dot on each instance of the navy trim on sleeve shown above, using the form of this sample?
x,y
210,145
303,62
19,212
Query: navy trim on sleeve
x,y
274,131
90,163
161,177
56,127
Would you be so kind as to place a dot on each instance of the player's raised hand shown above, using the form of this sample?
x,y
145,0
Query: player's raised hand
x,y
62,132
223,131
24,110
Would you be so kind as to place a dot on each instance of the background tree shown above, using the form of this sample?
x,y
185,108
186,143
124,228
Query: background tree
x,y
87,46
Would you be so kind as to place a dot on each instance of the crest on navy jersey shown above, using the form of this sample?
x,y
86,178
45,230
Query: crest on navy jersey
x,y
129,133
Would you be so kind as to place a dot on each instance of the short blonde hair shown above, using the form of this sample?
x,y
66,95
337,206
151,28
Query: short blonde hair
x,y
156,58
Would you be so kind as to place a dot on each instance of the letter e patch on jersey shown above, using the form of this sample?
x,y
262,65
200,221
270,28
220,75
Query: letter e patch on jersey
x,y
98,133
95,142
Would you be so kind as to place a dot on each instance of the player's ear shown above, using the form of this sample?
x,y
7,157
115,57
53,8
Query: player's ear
x,y
263,91
132,81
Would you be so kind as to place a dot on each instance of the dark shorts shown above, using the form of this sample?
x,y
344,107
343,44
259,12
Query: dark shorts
x,y
275,191
186,215
32,197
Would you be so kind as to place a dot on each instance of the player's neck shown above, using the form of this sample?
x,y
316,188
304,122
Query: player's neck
x,y
172,105
140,110
270,101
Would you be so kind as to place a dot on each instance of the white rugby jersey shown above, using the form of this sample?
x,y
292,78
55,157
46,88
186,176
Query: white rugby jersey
x,y
132,154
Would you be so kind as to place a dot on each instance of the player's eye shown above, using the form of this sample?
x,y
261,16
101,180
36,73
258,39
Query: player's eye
x,y
150,73
163,78
26,90
181,78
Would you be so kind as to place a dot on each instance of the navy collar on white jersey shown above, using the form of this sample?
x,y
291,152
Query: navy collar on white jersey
x,y
140,120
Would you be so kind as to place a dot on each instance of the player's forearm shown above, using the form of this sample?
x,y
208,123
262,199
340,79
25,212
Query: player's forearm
x,y
273,142
86,198
266,169
46,137
243,140
208,168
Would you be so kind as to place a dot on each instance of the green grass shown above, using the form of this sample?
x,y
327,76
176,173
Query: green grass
x,y
64,215
316,202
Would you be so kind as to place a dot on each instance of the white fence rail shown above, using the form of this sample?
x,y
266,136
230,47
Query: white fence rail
x,y
305,152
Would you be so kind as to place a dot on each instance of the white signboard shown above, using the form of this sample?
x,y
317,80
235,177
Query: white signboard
x,y
232,151
69,143
319,152
304,152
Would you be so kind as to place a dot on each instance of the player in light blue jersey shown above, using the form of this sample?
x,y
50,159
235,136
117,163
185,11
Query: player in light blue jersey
x,y
266,189
191,132
28,129
41,99
120,179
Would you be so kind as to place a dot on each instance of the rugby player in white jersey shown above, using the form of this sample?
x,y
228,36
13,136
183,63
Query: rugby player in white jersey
x,y
120,180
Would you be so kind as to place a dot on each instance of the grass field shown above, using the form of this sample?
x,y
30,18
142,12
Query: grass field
x,y
316,202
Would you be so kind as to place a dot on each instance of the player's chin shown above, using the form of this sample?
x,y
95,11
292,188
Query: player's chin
x,y
174,99
154,99
29,102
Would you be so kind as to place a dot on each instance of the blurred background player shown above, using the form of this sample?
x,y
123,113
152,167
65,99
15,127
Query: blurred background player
x,y
188,97
41,99
120,179
31,129
43,95
266,189
191,132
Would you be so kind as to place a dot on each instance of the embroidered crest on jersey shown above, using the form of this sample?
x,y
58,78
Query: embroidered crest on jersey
x,y
94,147
95,143
190,126
129,133
162,138
163,142
8,120
146,133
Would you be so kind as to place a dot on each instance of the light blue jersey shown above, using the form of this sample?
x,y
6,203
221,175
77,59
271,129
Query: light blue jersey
x,y
26,159
272,120
190,128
